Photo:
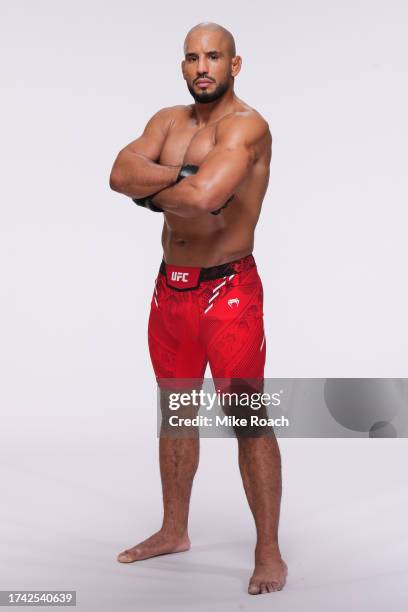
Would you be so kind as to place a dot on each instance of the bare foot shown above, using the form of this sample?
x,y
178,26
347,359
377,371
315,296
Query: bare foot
x,y
159,543
269,574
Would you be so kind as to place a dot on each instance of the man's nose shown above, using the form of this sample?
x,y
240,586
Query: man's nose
x,y
202,66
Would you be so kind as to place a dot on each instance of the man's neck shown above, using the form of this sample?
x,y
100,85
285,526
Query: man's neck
x,y
208,113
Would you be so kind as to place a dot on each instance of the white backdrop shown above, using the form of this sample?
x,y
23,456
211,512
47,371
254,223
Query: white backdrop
x,y
79,81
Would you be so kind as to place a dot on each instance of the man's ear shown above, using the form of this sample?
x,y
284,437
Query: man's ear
x,y
182,68
236,64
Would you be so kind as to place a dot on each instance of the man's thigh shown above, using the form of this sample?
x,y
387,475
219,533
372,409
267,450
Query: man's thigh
x,y
234,334
175,350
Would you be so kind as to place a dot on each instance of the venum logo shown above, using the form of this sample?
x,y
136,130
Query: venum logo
x,y
180,276
233,302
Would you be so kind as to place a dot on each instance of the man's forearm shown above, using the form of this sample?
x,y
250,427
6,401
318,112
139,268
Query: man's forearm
x,y
182,199
137,176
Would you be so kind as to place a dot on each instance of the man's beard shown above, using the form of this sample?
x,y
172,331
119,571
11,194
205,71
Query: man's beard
x,y
206,97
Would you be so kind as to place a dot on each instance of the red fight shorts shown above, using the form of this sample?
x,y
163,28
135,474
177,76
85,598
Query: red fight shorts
x,y
207,315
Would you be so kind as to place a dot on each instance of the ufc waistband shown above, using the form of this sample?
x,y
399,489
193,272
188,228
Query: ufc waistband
x,y
185,278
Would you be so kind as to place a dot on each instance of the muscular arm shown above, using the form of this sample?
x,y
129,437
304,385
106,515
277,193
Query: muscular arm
x,y
220,173
135,172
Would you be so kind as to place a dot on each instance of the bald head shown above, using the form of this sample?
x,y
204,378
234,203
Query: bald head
x,y
225,35
210,63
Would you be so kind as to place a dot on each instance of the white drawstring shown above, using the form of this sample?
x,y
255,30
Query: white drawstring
x,y
155,293
216,292
218,286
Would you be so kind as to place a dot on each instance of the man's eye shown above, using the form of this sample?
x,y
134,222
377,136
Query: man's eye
x,y
214,56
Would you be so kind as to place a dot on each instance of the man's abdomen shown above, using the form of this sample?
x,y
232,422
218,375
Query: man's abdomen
x,y
206,249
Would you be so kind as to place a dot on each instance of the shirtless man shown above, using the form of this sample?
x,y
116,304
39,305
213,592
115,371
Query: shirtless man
x,y
189,162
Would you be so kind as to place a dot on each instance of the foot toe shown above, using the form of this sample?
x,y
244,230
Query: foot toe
x,y
253,588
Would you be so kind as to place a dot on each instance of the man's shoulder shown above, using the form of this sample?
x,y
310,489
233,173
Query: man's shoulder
x,y
167,116
246,124
174,111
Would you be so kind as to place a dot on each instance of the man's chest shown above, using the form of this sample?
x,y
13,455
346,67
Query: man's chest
x,y
186,145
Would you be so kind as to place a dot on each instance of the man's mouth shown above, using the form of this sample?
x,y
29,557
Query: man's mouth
x,y
203,82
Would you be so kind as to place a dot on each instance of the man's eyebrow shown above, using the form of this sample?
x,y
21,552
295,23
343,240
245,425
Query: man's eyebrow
x,y
207,53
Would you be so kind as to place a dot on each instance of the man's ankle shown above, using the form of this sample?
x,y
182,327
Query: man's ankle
x,y
265,548
173,531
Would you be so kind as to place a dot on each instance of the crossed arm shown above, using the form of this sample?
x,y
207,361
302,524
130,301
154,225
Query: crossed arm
x,y
219,174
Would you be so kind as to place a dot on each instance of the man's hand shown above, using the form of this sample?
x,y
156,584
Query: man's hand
x,y
217,212
222,170
187,170
147,203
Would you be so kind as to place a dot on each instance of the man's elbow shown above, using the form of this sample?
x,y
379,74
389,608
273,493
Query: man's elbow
x,y
116,180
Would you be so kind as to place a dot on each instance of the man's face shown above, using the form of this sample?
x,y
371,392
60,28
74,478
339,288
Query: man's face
x,y
207,66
